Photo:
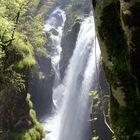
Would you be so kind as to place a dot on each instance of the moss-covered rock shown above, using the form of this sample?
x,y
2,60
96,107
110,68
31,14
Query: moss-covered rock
x,y
17,117
34,131
117,27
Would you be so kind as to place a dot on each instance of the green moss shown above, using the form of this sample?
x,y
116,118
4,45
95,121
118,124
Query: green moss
x,y
26,62
125,98
32,115
32,132
26,134
23,51
109,30
28,100
16,59
122,121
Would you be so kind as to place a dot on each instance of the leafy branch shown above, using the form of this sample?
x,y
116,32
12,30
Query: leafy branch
x,y
98,102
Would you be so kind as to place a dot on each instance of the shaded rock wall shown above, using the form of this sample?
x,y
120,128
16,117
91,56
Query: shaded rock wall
x,y
41,80
68,44
117,25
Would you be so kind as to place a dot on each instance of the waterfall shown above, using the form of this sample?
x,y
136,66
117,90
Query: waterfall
x,y
54,25
70,120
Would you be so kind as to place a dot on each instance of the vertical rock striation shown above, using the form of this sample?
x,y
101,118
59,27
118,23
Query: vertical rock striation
x,y
118,30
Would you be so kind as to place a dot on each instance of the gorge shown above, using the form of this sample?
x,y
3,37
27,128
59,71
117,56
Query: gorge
x,y
69,70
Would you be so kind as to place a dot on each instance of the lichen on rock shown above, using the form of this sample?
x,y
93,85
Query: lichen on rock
x,y
118,27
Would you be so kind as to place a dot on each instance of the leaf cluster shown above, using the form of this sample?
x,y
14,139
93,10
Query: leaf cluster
x,y
16,52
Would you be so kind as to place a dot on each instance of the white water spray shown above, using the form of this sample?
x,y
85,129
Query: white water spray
x,y
54,25
70,122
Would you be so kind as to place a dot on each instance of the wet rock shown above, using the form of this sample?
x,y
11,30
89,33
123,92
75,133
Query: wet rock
x,y
54,32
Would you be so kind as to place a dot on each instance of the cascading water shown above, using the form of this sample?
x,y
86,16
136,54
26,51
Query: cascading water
x,y
54,25
70,120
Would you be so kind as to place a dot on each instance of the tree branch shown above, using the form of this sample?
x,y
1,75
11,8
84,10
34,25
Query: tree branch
x,y
106,122
104,114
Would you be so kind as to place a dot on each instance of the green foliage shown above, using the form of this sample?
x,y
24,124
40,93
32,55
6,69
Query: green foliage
x,y
92,93
15,50
34,132
98,105
97,100
95,104
95,138
15,5
25,52
34,30
95,107
123,84
33,25
26,134
11,79
19,35
27,62
28,100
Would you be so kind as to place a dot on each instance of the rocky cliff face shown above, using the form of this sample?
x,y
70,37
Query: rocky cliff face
x,y
68,45
17,117
118,30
